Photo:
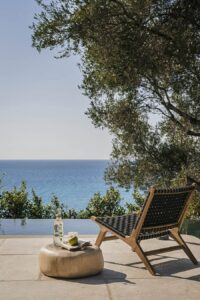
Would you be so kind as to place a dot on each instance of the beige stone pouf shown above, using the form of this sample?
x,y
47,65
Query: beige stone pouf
x,y
58,262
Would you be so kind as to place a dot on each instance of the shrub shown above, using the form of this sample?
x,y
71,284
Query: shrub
x,y
104,205
14,203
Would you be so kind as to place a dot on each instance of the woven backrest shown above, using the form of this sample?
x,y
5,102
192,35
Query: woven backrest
x,y
167,206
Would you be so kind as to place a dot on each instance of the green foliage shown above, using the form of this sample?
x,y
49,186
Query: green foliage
x,y
107,205
36,207
71,214
14,204
17,204
52,207
137,56
139,197
140,63
83,214
194,209
132,207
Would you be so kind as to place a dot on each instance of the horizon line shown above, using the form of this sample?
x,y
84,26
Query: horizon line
x,y
12,159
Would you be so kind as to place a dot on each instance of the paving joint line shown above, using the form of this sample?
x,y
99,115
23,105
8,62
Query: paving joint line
x,y
19,280
39,276
2,242
17,254
108,290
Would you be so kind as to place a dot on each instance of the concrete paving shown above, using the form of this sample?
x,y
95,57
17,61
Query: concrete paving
x,y
124,276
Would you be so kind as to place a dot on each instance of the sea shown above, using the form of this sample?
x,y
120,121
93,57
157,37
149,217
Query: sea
x,y
74,182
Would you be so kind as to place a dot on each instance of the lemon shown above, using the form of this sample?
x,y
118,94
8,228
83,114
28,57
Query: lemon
x,y
73,241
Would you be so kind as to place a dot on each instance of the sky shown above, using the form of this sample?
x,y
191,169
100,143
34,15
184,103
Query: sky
x,y
42,111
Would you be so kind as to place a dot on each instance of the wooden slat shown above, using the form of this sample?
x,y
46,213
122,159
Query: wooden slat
x,y
111,237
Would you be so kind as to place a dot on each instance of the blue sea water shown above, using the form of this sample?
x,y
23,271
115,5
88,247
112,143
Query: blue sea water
x,y
74,182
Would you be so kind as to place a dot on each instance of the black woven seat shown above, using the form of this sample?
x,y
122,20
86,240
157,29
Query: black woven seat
x,y
123,225
162,214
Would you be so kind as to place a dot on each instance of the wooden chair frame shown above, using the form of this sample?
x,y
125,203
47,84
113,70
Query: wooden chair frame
x,y
134,242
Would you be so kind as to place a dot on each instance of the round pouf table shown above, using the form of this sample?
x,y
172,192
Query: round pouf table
x,y
58,262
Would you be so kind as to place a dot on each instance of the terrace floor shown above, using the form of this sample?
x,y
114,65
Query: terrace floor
x,y
124,276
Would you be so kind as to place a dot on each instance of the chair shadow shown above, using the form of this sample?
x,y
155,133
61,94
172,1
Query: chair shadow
x,y
172,268
168,268
106,276
192,243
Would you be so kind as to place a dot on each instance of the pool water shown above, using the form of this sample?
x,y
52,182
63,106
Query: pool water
x,y
82,226
45,226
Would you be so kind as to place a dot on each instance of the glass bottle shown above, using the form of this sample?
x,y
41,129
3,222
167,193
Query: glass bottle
x,y
58,228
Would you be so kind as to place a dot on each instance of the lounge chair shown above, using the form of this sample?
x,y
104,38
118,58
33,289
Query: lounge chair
x,y
162,214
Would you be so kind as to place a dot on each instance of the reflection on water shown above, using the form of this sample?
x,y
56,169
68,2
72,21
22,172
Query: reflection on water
x,y
45,227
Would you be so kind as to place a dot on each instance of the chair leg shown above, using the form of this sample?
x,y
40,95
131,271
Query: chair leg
x,y
100,238
144,259
177,237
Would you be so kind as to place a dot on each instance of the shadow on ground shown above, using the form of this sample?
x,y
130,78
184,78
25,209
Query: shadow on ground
x,y
170,268
102,278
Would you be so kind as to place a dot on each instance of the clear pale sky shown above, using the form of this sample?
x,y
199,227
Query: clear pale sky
x,y
41,108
